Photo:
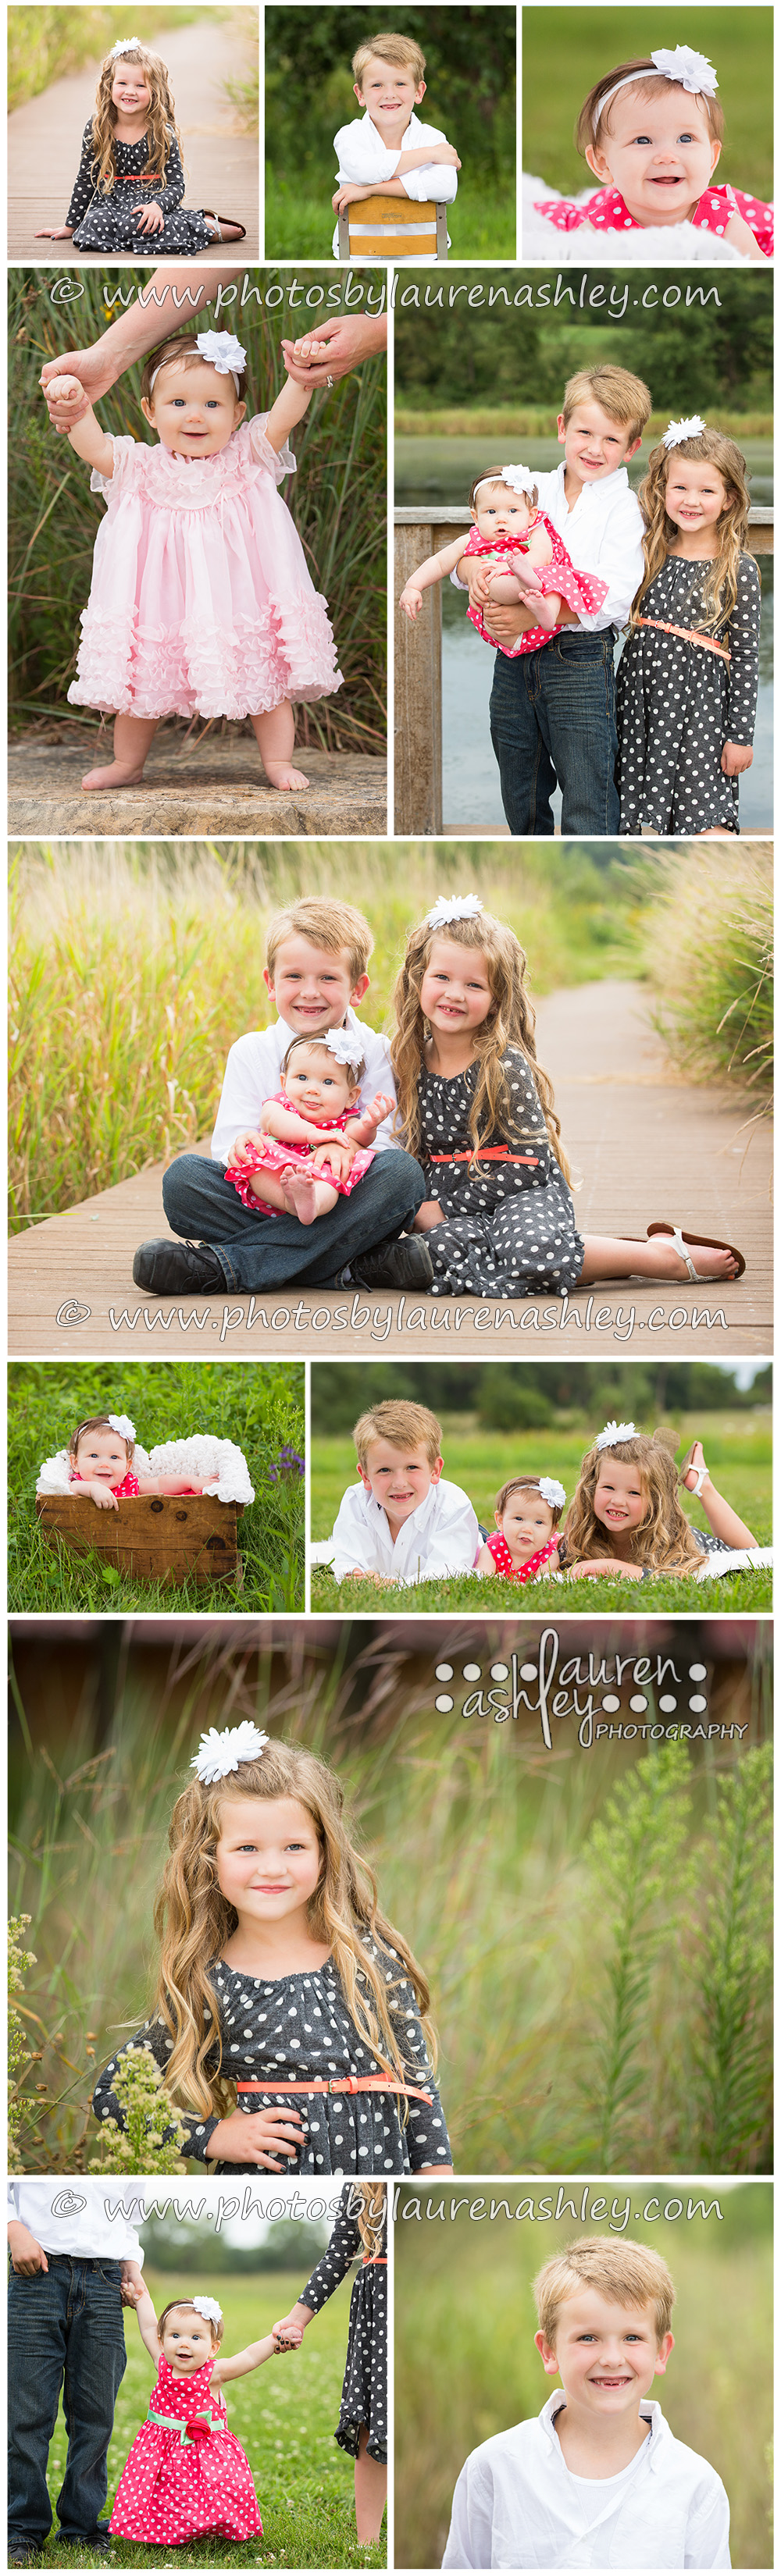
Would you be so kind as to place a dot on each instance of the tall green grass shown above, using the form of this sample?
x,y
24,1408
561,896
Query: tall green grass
x,y
300,219
485,1850
708,942
337,499
259,1406
135,965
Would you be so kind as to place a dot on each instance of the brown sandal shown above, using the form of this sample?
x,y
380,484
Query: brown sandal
x,y
240,230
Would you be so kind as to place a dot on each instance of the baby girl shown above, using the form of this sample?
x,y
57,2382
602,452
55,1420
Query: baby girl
x,y
100,1461
310,1145
527,1514
520,558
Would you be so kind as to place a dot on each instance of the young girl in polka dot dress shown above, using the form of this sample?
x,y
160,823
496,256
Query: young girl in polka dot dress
x,y
477,1111
688,678
651,130
201,601
100,1461
625,1513
128,192
523,561
360,2233
187,2475
524,1544
279,1976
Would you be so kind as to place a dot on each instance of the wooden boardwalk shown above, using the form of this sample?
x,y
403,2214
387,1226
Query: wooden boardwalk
x,y
222,165
648,1147
191,789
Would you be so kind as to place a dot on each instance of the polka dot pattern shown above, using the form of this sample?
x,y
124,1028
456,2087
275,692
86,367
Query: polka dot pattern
x,y
129,1487
608,213
365,2385
509,1229
677,705
527,1573
300,2026
105,223
581,590
172,2490
276,1157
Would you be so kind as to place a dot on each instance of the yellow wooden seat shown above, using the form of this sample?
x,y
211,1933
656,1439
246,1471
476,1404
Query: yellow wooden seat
x,y
392,228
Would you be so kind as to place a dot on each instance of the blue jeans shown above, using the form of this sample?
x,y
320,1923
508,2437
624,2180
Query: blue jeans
x,y
553,720
267,1252
63,2326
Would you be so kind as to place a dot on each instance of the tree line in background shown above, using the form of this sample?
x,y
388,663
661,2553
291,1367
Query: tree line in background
x,y
718,353
506,1398
176,2245
470,80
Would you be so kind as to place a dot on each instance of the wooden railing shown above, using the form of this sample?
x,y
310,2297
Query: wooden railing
x,y
418,681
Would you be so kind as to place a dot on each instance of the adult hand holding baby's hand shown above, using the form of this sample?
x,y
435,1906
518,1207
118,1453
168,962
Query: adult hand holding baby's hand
x,y
334,348
66,401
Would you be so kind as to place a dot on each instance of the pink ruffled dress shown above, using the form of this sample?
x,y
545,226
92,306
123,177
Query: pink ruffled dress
x,y
187,2475
711,214
582,590
275,1156
201,602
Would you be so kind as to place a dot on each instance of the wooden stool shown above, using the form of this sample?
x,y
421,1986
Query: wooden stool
x,y
392,228
156,1538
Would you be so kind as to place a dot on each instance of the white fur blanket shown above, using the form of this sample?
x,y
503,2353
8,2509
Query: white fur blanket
x,y
659,245
219,1461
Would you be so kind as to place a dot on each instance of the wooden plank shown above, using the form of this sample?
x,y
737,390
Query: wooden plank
x,y
646,1145
157,1538
417,786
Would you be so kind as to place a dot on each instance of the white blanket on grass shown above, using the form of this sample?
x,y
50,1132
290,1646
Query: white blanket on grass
x,y
218,1463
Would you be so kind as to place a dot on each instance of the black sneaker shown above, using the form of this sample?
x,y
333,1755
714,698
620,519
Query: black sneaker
x,y
173,1269
19,2555
403,1262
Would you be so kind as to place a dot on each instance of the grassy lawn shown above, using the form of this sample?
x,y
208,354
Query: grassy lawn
x,y
300,219
538,420
284,2415
566,50
739,1457
259,1406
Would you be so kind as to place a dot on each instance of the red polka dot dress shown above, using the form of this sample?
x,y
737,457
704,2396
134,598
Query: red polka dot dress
x,y
608,213
582,590
276,1154
534,1565
128,1489
186,2475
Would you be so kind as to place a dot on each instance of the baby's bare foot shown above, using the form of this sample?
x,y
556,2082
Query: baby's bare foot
x,y
120,773
280,773
298,1190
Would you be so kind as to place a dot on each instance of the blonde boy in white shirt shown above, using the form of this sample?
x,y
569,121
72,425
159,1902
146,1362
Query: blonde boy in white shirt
x,y
388,149
597,2480
405,1523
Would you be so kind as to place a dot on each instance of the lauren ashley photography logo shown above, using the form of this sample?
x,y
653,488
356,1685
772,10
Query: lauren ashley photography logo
x,y
650,1697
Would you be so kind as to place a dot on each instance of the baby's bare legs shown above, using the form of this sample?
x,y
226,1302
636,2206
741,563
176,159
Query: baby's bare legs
x,y
274,735
607,1256
133,736
297,1191
505,586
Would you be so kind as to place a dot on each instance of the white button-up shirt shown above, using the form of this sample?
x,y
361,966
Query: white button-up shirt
x,y
365,160
517,2505
253,1073
440,1538
83,2229
603,534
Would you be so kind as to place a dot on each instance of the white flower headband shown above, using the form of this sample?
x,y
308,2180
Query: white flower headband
x,y
692,71
221,350
221,1751
125,45
464,907
613,1433
552,1492
346,1049
208,2308
678,430
121,1422
516,477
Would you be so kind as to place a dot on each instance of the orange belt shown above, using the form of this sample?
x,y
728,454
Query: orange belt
x,y
486,1154
689,633
374,2258
138,178
339,2084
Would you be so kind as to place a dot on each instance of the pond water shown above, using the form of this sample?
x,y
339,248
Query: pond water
x,y
441,470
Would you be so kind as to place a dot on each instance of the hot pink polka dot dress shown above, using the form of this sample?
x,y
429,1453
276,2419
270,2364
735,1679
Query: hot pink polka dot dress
x,y
276,1156
129,1486
188,2476
582,590
608,213
499,1550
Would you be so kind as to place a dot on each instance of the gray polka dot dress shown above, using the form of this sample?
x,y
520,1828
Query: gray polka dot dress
x,y
677,704
509,1227
301,2026
365,2384
105,223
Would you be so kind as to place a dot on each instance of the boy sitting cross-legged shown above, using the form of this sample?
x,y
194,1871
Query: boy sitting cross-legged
x,y
598,2479
404,1523
318,951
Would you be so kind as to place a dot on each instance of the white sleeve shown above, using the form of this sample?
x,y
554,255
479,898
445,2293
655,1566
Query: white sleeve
x,y
362,155
452,1550
470,2538
251,1075
438,179
378,1077
707,2529
618,560
352,1538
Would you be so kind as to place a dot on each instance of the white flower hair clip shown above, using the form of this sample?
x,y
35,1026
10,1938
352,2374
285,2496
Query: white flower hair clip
x,y
125,45
224,352
518,478
552,1492
678,430
613,1433
221,1750
208,2308
693,72
121,1422
345,1048
464,907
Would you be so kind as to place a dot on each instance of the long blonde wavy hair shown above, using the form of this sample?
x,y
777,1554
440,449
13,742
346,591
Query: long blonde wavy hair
x,y
368,2206
664,1540
721,583
161,129
510,1022
194,1920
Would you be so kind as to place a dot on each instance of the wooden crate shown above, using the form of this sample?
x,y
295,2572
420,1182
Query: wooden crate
x,y
156,1538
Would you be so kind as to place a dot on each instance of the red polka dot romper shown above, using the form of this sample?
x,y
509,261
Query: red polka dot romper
x,y
129,1486
608,213
499,1550
582,590
189,2475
